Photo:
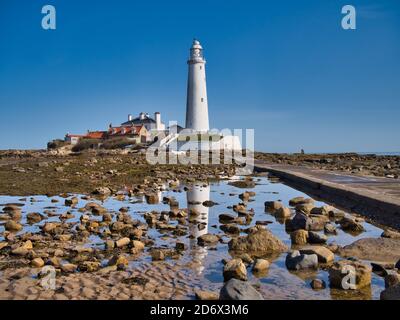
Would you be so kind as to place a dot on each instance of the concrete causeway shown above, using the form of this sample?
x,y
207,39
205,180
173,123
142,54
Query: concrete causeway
x,y
374,197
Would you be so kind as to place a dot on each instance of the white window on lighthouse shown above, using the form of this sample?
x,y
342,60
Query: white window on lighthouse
x,y
202,99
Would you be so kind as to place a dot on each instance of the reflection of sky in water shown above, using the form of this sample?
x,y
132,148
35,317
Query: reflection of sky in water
x,y
204,264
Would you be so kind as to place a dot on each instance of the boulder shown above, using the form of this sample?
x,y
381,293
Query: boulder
x,y
157,255
122,242
299,237
318,284
300,200
258,242
226,218
102,191
37,263
207,239
272,206
89,266
316,238
68,267
239,290
205,295
297,261
118,260
283,212
305,208
71,202
230,228
373,249
324,210
392,279
13,226
245,183
349,274
34,217
350,224
261,265
299,221
324,254
152,198
235,268
330,228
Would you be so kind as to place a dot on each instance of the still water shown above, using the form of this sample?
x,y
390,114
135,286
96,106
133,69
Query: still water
x,y
204,265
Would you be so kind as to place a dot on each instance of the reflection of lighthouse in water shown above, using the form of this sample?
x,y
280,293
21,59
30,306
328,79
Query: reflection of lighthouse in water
x,y
195,198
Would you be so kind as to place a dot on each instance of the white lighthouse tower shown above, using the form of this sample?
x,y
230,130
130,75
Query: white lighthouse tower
x,y
197,104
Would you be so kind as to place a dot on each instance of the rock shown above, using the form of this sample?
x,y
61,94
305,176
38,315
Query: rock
x,y
157,255
207,239
71,202
341,271
299,221
246,258
318,222
316,238
391,293
13,226
64,237
20,251
246,183
324,254
239,290
350,224
69,267
209,203
324,210
180,246
283,212
390,234
152,198
299,200
235,268
226,218
37,263
205,295
330,228
373,249
122,242
272,206
89,266
392,279
230,228
304,208
297,261
109,244
261,265
34,217
245,196
258,242
3,245
299,237
137,246
49,227
95,208
318,284
118,260
102,191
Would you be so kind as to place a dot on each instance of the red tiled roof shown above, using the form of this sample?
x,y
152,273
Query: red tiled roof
x,y
124,130
96,135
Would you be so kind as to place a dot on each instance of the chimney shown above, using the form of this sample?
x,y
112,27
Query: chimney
x,y
130,117
142,116
157,117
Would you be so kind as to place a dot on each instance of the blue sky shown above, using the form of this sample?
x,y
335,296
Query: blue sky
x,y
285,68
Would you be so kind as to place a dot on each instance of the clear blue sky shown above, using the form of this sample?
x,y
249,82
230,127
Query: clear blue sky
x,y
285,68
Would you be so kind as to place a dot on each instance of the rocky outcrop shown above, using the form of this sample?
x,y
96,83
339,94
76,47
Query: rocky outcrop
x,y
349,274
258,242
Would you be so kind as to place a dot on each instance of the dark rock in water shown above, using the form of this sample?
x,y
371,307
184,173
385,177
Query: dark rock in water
x,y
300,200
318,284
392,279
209,203
239,290
329,228
350,224
316,238
299,221
339,275
272,206
152,198
297,261
258,242
226,218
34,217
230,228
207,239
391,293
243,183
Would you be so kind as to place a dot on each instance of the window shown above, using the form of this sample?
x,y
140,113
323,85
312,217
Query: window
x,y
201,67
202,99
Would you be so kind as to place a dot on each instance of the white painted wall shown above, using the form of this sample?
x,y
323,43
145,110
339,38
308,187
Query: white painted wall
x,y
197,102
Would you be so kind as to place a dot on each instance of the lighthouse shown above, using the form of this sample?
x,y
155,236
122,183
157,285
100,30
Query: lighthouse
x,y
197,104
